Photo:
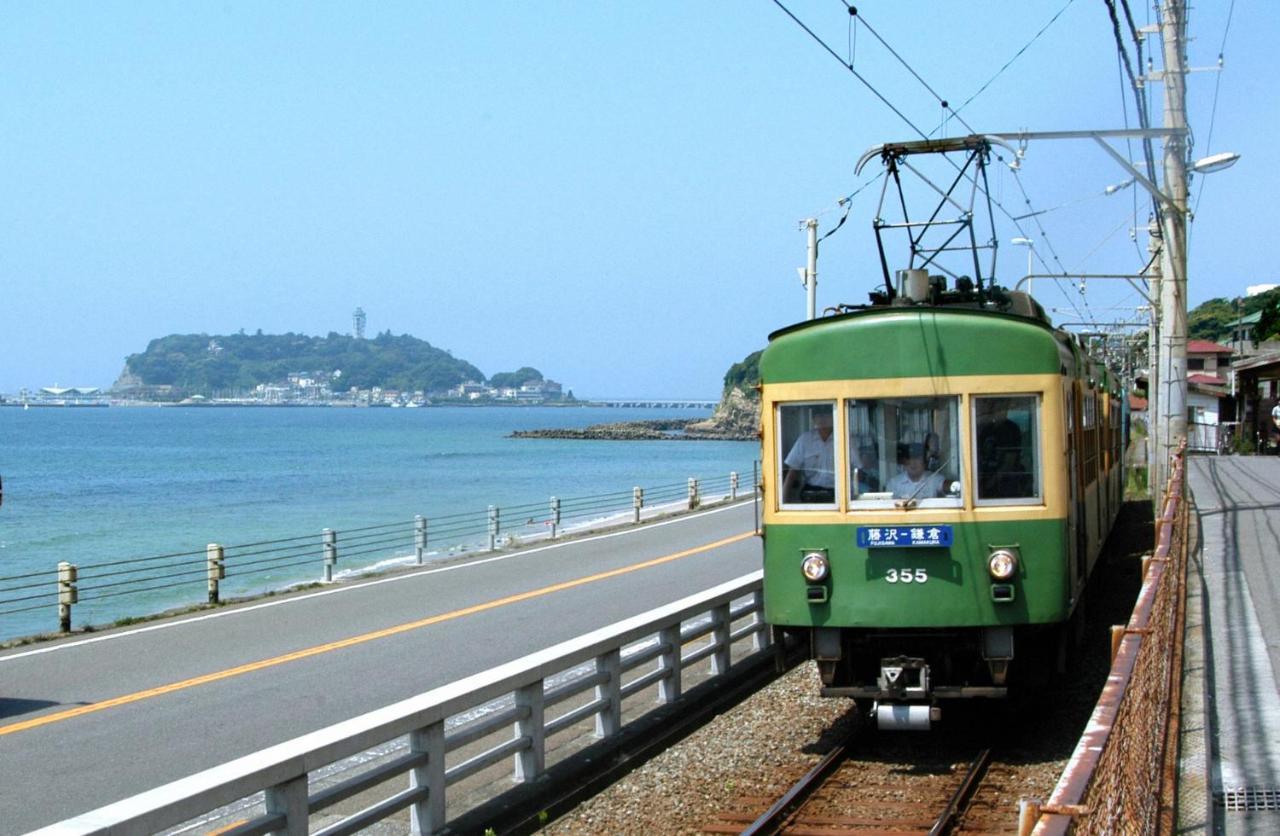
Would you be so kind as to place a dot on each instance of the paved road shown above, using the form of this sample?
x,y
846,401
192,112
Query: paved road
x,y
84,722
1237,500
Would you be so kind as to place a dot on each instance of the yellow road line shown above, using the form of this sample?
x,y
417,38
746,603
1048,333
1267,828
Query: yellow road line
x,y
305,653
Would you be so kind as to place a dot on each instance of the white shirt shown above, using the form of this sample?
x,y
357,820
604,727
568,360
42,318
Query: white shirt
x,y
904,488
815,458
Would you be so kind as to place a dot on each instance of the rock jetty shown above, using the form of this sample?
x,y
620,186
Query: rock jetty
x,y
737,418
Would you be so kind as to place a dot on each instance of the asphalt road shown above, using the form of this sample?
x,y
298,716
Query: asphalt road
x,y
1237,499
89,720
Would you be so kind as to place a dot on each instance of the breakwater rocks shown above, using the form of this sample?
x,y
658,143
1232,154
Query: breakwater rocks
x,y
658,430
737,418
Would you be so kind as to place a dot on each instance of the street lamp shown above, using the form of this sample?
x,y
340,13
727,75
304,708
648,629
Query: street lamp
x,y
1031,248
1215,162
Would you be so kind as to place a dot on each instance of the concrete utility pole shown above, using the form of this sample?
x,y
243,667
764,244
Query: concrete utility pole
x,y
1173,285
811,267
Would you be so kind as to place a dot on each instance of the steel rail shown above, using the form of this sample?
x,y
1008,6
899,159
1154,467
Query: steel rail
x,y
960,800
771,820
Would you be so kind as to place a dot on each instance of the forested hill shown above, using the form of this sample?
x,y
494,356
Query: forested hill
x,y
204,363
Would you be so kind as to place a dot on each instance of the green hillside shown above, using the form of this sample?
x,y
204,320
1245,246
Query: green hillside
x,y
1212,320
201,363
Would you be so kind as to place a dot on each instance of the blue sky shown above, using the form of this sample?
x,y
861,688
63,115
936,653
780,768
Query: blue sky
x,y
608,192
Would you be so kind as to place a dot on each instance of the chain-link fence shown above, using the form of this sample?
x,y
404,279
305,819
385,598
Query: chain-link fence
x,y
1121,777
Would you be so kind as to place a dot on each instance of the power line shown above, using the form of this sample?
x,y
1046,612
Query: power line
x,y
850,68
1015,57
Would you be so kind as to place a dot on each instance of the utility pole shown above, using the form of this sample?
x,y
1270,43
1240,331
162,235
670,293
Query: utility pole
x,y
811,267
1173,285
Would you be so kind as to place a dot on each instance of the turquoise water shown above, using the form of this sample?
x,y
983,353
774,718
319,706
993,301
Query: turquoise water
x,y
93,486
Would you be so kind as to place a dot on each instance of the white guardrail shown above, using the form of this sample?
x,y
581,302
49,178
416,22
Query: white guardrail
x,y
518,694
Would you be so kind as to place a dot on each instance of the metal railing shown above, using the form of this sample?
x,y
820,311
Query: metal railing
x,y
438,729
1121,777
248,566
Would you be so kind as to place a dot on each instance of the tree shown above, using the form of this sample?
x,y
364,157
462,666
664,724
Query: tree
x,y
744,374
1268,321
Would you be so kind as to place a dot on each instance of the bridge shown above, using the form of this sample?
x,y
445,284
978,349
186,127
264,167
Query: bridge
x,y
664,403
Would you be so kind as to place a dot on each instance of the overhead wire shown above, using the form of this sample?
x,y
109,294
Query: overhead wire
x,y
853,13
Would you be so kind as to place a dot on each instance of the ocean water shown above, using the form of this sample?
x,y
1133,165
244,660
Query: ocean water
x,y
101,486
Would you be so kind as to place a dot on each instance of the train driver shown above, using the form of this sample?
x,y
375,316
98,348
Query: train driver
x,y
811,463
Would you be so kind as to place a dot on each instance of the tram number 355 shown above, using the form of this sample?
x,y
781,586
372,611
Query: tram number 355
x,y
907,575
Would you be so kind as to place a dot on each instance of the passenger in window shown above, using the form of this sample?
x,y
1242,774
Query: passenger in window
x,y
867,471
811,463
932,452
1000,467
914,482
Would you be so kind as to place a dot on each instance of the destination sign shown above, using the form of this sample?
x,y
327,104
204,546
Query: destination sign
x,y
882,536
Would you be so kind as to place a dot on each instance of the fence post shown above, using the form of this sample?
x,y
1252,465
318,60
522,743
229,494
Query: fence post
x,y
609,718
555,515
693,494
722,657
420,537
426,817
289,798
330,538
733,485
637,502
494,527
531,762
214,569
669,687
760,638
67,594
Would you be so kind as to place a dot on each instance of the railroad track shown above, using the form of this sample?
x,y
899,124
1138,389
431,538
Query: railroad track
x,y
850,792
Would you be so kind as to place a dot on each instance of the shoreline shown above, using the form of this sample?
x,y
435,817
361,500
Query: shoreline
x,y
674,429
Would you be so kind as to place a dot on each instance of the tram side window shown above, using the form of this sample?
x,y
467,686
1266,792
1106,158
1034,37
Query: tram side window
x,y
807,454
1006,451
904,449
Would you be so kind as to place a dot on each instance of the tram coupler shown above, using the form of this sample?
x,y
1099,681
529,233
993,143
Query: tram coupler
x,y
897,716
904,678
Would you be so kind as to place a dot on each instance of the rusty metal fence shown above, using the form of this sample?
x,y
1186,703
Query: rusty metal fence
x,y
1122,776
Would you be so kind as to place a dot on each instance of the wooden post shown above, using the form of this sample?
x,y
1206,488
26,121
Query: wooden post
x,y
555,516
493,527
1028,815
733,484
637,502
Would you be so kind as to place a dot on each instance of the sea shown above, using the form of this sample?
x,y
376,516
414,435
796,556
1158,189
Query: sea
x,y
106,487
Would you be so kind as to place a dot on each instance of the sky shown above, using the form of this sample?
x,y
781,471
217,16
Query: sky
x,y
609,192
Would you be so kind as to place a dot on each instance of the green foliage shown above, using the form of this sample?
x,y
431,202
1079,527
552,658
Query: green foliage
x,y
516,379
203,363
1212,320
744,374
1269,321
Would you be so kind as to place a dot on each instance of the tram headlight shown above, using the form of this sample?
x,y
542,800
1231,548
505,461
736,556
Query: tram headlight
x,y
1003,564
814,566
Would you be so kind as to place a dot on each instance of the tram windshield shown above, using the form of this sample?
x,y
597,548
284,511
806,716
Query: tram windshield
x,y
904,450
